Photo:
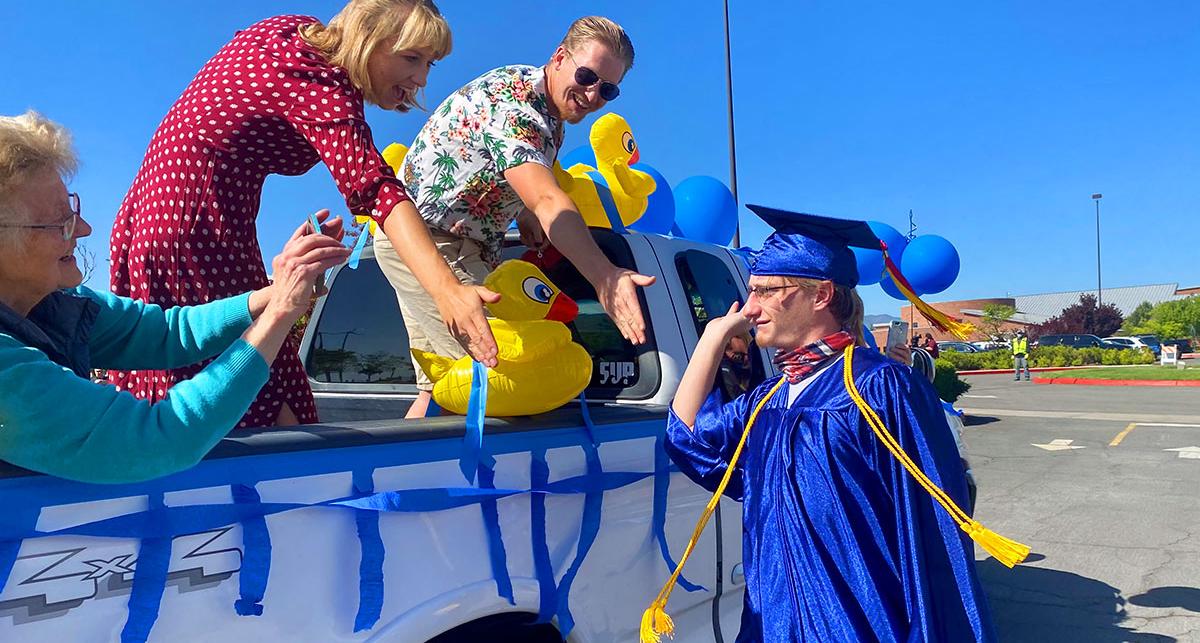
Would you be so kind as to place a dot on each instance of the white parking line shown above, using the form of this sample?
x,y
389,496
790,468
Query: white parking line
x,y
1190,426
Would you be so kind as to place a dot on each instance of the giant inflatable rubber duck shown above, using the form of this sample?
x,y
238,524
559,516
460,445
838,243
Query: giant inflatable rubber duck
x,y
540,367
625,188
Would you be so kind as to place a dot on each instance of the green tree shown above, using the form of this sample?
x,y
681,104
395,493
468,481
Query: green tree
x,y
1171,319
1139,316
994,315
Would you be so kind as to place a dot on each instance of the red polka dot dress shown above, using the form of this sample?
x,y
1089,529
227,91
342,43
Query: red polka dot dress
x,y
267,103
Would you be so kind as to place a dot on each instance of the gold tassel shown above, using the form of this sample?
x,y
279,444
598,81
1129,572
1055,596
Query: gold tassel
x,y
1009,552
656,624
655,620
940,320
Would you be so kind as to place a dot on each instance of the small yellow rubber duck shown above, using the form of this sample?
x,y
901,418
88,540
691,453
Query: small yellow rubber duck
x,y
540,367
616,150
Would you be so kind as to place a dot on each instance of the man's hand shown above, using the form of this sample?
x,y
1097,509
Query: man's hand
x,y
617,292
729,325
461,307
901,353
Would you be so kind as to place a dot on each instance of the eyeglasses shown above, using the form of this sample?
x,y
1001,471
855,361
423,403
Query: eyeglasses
x,y
764,292
586,77
67,228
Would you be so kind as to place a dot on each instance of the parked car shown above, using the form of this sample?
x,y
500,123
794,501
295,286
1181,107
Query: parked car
x,y
1153,342
1074,340
1132,343
1183,345
990,345
959,347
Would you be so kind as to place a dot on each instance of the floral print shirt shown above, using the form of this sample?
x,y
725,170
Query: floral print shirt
x,y
454,170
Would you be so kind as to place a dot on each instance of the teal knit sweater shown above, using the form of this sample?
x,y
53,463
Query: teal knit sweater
x,y
55,422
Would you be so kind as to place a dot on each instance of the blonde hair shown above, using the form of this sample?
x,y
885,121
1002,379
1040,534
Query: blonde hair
x,y
362,25
30,144
602,30
845,306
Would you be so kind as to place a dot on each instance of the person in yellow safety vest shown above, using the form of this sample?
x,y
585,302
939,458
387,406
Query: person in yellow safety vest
x,y
1020,351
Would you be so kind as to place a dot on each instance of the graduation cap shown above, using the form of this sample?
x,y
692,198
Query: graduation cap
x,y
818,247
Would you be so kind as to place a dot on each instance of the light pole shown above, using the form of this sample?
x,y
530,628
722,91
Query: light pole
x,y
1099,291
737,229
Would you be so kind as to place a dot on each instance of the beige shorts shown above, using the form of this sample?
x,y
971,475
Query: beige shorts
x,y
426,330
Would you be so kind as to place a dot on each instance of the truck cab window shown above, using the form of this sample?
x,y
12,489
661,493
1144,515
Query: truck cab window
x,y
360,336
711,289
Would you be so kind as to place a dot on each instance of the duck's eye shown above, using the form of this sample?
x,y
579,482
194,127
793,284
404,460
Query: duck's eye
x,y
537,290
627,142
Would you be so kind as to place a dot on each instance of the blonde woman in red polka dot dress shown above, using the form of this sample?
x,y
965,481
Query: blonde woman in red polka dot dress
x,y
283,95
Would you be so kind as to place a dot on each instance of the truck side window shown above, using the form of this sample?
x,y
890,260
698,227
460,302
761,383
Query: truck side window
x,y
360,336
620,370
710,290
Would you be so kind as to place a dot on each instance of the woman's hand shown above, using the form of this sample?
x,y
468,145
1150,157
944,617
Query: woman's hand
x,y
304,259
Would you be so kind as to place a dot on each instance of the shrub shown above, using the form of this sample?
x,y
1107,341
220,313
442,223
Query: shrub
x,y
1050,356
946,381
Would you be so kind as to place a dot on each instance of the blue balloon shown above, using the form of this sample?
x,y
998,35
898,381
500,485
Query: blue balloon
x,y
930,264
582,154
890,288
870,265
705,210
895,241
660,206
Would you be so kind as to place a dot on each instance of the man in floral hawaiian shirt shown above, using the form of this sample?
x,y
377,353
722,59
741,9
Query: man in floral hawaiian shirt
x,y
484,158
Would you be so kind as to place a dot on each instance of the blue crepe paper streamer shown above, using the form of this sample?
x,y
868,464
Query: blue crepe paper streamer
x,y
469,461
539,474
316,225
606,200
950,408
256,555
491,523
589,528
588,426
658,519
149,581
370,566
359,244
26,519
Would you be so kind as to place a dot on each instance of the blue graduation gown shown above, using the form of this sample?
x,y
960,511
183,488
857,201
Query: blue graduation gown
x,y
839,542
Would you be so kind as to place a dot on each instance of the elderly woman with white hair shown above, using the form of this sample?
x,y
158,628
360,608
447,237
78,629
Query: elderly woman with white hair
x,y
53,331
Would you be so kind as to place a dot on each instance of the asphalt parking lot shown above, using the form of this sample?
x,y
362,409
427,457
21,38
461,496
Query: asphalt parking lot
x,y
1109,502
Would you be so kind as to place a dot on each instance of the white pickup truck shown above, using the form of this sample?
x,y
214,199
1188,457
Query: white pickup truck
x,y
364,528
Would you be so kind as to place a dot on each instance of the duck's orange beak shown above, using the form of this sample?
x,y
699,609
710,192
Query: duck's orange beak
x,y
637,155
563,309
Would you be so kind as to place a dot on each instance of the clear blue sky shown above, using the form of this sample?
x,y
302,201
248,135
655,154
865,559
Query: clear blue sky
x,y
994,123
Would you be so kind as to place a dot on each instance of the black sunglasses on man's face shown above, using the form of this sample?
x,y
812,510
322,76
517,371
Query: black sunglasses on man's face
x,y
586,77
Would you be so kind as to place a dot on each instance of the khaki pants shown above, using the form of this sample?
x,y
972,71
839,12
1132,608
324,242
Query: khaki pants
x,y
426,330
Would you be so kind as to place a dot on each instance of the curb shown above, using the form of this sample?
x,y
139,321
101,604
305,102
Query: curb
x,y
1091,382
1040,369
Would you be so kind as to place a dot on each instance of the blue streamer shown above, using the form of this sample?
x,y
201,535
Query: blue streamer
x,y
149,581
359,244
468,462
491,523
588,426
606,200
539,474
658,519
316,225
370,566
589,528
950,408
26,517
256,555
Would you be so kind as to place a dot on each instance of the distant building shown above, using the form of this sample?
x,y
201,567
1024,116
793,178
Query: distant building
x,y
1033,309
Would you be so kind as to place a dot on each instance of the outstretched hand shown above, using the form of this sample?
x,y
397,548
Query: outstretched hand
x,y
304,259
462,309
617,293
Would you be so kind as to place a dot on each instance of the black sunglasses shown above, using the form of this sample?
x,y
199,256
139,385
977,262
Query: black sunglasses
x,y
586,77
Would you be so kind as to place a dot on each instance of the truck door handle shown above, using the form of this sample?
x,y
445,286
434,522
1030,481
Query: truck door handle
x,y
737,576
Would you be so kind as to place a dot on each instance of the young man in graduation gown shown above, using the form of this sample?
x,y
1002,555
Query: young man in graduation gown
x,y
840,543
